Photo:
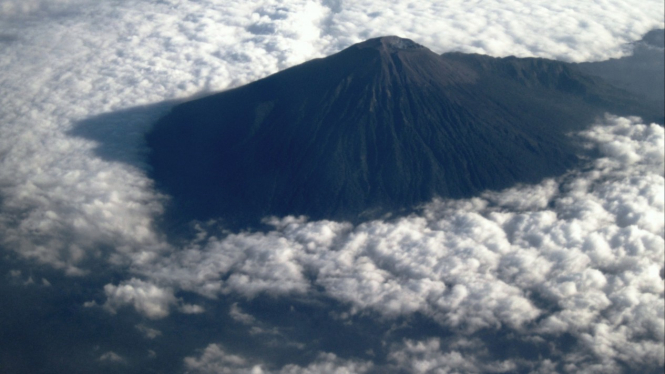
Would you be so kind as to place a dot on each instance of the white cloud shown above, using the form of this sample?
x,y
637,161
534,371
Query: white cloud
x,y
191,309
111,356
561,29
428,357
590,244
148,299
62,205
593,252
328,363
215,360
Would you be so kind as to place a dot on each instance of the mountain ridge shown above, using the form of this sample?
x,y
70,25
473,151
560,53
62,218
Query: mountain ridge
x,y
381,126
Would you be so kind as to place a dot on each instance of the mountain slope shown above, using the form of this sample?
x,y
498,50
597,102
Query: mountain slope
x,y
381,126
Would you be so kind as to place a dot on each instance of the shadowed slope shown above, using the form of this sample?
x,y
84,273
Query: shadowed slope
x,y
642,72
381,126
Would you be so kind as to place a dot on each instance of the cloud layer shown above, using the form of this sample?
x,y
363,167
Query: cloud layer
x,y
61,203
580,256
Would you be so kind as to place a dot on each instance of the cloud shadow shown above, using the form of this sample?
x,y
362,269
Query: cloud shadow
x,y
120,134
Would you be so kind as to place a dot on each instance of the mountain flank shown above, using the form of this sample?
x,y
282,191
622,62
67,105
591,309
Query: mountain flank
x,y
377,128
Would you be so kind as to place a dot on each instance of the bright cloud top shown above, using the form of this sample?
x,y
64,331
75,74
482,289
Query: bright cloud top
x,y
589,245
61,203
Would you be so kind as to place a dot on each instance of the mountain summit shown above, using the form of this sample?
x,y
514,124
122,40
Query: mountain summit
x,y
381,126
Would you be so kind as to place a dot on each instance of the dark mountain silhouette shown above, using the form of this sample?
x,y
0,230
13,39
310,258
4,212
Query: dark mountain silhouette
x,y
379,127
642,72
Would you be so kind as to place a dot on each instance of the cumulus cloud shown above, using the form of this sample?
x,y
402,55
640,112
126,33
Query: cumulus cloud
x,y
496,28
577,256
146,298
63,205
215,359
328,363
588,247
429,357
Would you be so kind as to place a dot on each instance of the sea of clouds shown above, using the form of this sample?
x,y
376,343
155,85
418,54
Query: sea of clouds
x,y
587,247
579,257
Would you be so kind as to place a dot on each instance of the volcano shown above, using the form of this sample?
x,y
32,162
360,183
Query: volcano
x,y
379,127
